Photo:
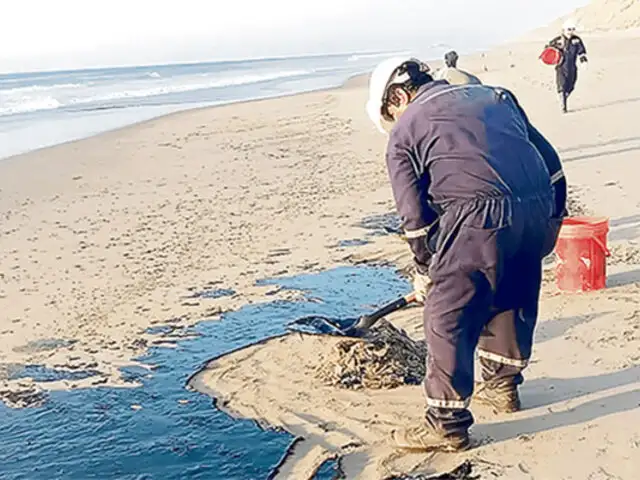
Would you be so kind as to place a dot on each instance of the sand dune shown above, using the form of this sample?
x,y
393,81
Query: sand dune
x,y
604,16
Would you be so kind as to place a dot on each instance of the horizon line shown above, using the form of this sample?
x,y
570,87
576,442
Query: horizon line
x,y
201,62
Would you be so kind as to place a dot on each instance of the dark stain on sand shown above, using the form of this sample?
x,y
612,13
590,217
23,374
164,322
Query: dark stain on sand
x,y
157,429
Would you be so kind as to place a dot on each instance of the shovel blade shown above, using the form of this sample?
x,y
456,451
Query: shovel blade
x,y
316,325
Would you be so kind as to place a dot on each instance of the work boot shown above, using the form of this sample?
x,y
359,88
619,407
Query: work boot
x,y
443,431
502,398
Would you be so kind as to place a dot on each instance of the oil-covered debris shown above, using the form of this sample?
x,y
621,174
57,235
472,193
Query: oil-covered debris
x,y
387,358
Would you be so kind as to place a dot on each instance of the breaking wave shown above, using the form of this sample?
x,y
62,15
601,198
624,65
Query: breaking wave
x,y
33,98
369,56
44,102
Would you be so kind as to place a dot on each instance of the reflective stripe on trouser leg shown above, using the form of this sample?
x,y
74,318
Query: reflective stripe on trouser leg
x,y
494,357
499,340
452,404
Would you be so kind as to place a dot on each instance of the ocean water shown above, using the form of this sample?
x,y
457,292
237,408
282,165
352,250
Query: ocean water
x,y
47,108
160,430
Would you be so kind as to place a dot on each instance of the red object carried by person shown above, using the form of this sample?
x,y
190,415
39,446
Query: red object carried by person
x,y
551,56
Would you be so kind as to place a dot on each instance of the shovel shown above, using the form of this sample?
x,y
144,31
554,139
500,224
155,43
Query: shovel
x,y
350,327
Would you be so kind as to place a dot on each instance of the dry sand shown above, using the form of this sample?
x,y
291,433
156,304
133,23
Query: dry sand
x,y
105,237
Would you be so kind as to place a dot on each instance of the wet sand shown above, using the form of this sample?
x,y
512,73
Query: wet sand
x,y
106,237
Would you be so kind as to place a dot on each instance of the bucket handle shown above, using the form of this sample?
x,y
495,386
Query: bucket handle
x,y
607,252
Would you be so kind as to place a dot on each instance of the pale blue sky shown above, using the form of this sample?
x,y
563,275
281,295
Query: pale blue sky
x,y
45,34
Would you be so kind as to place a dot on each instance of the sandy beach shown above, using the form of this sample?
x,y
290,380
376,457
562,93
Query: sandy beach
x,y
106,237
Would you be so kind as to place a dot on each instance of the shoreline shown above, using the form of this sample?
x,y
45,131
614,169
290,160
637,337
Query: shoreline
x,y
353,79
185,110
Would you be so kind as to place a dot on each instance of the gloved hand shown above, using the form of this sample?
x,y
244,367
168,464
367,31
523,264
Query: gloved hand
x,y
421,285
583,59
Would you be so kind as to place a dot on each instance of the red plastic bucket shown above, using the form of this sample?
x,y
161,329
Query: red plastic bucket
x,y
551,56
582,254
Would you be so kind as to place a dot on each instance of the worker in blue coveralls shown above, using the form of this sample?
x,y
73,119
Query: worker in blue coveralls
x,y
573,50
481,194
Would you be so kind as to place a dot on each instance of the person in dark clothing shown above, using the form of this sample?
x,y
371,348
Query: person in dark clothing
x,y
481,194
573,50
451,59
452,74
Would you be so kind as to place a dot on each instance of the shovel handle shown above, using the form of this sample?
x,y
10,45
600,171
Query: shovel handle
x,y
369,321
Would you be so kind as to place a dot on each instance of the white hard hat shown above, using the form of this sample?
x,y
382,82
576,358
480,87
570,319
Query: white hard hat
x,y
569,25
378,83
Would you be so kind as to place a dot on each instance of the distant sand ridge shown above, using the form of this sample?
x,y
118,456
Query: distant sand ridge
x,y
604,16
